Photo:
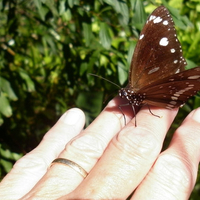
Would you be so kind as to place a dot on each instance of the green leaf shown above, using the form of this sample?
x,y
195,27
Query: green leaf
x,y
6,88
83,68
190,64
195,42
139,15
5,107
30,86
61,7
130,52
94,58
196,101
104,35
51,5
71,3
87,33
42,10
67,15
132,3
7,158
122,73
121,8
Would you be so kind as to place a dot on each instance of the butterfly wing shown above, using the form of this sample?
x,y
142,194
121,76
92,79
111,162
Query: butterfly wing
x,y
173,91
158,52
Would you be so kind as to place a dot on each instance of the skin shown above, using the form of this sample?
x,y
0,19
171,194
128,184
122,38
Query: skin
x,y
119,159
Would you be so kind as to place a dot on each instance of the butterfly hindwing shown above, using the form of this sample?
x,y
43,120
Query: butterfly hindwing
x,y
174,90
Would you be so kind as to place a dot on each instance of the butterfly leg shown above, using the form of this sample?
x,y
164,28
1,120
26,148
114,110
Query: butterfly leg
x,y
122,105
151,111
134,114
123,112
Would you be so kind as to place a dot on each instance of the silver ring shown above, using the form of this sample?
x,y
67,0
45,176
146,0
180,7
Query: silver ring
x,y
71,164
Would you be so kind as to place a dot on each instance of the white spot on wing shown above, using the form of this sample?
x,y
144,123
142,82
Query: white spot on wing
x,y
153,70
194,77
174,98
152,17
164,41
165,22
173,102
141,36
176,94
169,106
172,50
157,20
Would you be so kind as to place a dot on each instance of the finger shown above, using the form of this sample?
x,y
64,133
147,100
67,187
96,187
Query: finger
x,y
127,159
174,174
84,150
29,169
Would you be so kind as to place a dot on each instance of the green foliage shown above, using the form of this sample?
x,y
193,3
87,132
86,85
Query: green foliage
x,y
49,47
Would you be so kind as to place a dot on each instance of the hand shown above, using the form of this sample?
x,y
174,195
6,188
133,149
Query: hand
x,y
119,160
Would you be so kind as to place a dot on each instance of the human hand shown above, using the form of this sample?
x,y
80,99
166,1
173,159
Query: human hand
x,y
119,160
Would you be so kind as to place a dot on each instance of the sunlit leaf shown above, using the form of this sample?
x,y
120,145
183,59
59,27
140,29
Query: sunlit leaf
x,y
6,88
5,108
87,33
29,83
105,35
122,73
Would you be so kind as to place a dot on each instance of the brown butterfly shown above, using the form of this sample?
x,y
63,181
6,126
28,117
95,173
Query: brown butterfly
x,y
157,74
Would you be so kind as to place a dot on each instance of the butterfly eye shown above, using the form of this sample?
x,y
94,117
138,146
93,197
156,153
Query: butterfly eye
x,y
122,93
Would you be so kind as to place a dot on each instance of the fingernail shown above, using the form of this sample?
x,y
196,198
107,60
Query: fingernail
x,y
72,116
196,115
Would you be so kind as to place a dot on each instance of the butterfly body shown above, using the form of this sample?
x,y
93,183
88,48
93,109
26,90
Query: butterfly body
x,y
136,99
157,74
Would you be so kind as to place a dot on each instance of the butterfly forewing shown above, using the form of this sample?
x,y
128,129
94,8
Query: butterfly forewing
x,y
158,52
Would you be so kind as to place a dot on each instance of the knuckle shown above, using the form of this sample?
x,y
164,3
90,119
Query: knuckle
x,y
142,143
86,146
175,171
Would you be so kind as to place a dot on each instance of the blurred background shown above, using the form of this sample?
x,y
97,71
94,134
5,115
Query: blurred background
x,y
47,49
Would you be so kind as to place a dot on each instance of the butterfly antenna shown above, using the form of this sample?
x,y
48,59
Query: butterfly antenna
x,y
104,79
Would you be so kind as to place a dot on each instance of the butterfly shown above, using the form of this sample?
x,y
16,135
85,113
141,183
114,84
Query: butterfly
x,y
157,73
